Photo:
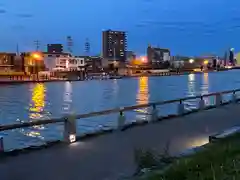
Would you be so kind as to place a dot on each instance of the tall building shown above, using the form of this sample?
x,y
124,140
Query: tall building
x,y
157,55
225,58
114,45
231,56
54,48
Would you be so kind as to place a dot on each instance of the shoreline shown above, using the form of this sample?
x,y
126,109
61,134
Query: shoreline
x,y
15,82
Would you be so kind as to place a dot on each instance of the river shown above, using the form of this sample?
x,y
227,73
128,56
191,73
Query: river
x,y
28,102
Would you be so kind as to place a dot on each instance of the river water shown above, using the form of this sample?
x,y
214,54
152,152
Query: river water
x,y
28,102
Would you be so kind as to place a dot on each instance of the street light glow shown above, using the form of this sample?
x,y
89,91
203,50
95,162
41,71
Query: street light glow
x,y
144,59
191,61
37,56
205,62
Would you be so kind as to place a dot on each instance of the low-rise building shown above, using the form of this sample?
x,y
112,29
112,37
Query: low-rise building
x,y
33,62
50,59
157,55
7,61
69,63
93,64
130,55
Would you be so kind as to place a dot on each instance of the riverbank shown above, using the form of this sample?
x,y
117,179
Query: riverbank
x,y
217,161
114,77
31,81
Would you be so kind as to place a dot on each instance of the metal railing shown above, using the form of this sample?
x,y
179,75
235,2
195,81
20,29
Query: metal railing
x,y
70,121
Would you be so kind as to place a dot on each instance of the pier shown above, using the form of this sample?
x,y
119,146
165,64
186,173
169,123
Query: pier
x,y
109,154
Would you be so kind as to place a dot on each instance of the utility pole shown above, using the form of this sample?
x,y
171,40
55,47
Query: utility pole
x,y
37,44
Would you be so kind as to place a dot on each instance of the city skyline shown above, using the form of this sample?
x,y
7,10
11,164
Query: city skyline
x,y
186,27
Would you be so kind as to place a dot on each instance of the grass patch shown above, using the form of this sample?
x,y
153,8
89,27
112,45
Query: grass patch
x,y
217,161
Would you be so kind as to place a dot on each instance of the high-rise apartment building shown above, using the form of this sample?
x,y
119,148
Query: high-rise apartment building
x,y
231,57
114,45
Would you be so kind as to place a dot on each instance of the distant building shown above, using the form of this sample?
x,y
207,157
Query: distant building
x,y
114,45
63,62
50,59
54,48
93,64
33,62
238,58
69,64
157,55
231,56
7,61
130,56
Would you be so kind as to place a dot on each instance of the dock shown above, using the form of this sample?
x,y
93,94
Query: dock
x,y
111,156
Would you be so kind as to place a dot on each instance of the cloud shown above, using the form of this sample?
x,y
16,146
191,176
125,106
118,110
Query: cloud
x,y
17,27
25,15
2,11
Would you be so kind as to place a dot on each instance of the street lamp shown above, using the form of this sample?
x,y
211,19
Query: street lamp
x,y
144,59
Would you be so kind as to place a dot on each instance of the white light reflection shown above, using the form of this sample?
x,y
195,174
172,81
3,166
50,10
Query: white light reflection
x,y
205,88
190,104
67,98
80,145
115,87
197,141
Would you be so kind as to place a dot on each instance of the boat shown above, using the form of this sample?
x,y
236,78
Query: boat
x,y
101,76
115,77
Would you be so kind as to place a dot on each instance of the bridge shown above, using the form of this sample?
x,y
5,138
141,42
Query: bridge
x,y
109,154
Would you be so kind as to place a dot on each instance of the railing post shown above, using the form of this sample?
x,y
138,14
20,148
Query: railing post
x,y
181,108
201,104
218,99
70,129
234,97
154,114
1,144
121,119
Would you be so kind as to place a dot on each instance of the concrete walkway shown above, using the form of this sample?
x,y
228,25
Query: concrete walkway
x,y
110,156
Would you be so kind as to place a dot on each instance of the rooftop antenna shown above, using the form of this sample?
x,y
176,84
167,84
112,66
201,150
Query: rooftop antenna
x,y
87,47
37,44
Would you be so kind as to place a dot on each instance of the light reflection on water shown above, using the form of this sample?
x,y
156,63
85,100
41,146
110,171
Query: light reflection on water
x,y
142,98
193,90
205,87
42,101
36,111
67,98
191,104
36,107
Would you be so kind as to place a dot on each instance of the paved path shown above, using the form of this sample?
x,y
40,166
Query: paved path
x,y
109,156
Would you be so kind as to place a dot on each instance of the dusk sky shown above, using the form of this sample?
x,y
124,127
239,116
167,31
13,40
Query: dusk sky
x,y
186,27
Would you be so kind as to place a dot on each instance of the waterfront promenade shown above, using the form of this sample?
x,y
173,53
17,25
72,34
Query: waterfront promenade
x,y
110,156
